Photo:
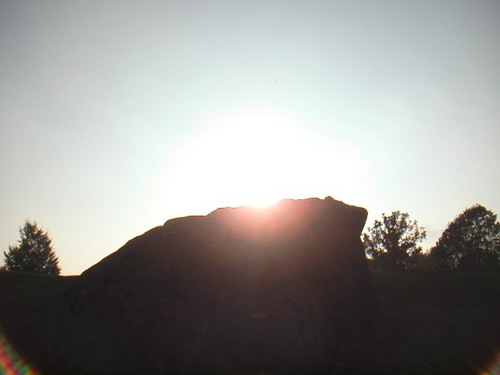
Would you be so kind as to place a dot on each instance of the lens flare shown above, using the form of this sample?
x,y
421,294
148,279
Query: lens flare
x,y
493,368
10,362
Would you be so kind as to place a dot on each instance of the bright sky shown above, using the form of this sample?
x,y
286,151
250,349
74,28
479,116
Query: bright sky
x,y
118,115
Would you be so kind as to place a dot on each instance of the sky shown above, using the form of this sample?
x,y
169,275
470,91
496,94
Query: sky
x,y
116,116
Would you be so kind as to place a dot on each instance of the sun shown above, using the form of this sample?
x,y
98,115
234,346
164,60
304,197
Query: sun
x,y
254,156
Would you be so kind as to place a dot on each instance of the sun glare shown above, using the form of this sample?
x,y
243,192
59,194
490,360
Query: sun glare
x,y
255,156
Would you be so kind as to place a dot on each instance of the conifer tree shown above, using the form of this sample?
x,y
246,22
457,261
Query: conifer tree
x,y
34,252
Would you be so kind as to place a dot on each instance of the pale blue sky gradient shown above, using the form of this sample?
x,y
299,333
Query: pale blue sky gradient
x,y
118,115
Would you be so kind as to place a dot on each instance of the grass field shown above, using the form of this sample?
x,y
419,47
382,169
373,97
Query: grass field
x,y
446,323
450,323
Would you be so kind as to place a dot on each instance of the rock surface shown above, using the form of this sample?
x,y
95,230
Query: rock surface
x,y
241,290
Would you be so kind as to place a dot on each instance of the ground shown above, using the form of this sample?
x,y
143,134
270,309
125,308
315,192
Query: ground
x,y
443,323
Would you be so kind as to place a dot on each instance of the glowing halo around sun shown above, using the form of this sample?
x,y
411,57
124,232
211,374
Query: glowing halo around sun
x,y
255,156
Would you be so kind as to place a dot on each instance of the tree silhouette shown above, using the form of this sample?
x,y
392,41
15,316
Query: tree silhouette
x,y
470,243
391,244
34,253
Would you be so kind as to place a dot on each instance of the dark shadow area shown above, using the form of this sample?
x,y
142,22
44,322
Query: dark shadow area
x,y
447,322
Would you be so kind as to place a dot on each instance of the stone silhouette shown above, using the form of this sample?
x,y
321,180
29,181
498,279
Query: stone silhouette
x,y
241,290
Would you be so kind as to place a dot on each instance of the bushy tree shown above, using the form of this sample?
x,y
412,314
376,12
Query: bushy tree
x,y
470,243
392,244
34,252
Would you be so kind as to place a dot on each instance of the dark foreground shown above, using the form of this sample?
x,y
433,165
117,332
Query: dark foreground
x,y
433,324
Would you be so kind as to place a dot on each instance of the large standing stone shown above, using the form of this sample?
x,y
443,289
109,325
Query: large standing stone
x,y
241,290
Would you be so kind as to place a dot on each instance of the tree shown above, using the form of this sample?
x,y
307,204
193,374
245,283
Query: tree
x,y
34,253
470,243
391,244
